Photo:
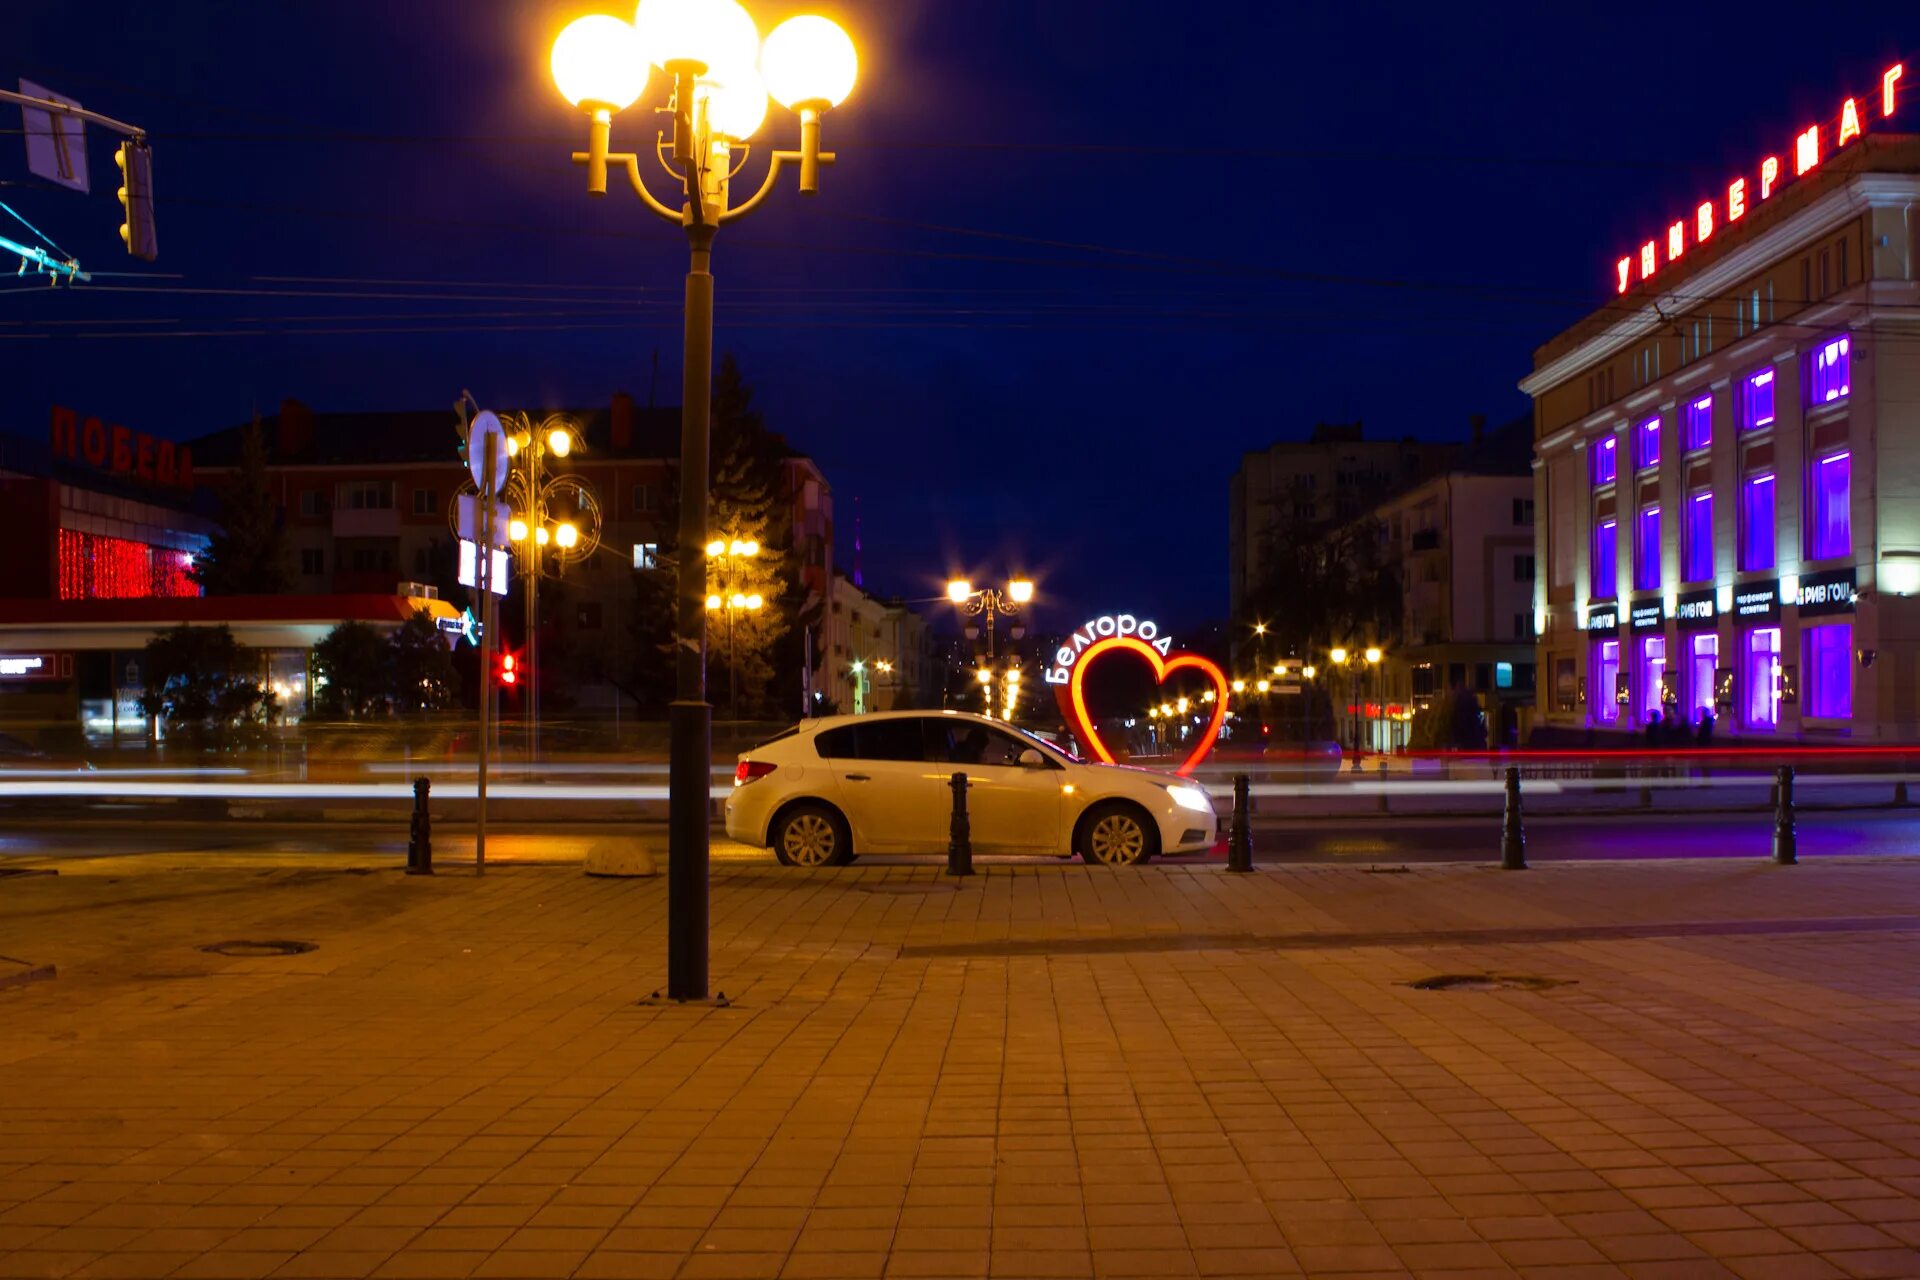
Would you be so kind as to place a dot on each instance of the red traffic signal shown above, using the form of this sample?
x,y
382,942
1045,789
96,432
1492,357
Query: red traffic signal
x,y
509,669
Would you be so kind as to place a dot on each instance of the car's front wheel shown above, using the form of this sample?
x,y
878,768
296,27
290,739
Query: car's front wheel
x,y
1117,835
812,835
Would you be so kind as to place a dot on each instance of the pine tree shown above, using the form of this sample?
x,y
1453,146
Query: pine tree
x,y
745,504
248,557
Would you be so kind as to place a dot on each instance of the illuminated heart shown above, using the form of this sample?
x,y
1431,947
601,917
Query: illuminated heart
x,y
1162,668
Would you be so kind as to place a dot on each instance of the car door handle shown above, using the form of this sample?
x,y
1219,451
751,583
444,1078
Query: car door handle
x,y
857,777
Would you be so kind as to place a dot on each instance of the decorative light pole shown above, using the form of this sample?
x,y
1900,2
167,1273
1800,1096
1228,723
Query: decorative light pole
x,y
991,604
552,516
725,557
717,97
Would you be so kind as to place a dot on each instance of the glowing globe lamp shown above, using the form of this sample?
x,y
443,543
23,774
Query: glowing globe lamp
x,y
1021,590
959,590
809,62
710,35
737,108
597,62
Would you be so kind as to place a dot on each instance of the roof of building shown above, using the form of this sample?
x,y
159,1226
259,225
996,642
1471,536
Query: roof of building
x,y
299,436
1506,450
1894,153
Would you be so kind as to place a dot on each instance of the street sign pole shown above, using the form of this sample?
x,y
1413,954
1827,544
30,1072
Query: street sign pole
x,y
484,575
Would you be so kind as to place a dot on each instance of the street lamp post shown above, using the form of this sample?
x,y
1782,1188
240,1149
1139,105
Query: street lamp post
x,y
990,603
718,99
727,555
559,511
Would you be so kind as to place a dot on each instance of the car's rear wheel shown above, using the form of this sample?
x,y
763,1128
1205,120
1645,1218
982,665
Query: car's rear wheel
x,y
812,835
1117,835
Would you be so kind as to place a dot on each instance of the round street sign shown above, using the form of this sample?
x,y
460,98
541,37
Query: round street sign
x,y
486,437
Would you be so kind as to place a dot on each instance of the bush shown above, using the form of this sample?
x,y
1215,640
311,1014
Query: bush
x,y
201,683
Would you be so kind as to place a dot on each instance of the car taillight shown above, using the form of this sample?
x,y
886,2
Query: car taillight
x,y
749,770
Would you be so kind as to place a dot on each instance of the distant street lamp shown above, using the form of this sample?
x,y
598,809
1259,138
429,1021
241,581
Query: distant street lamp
x,y
993,604
724,558
720,74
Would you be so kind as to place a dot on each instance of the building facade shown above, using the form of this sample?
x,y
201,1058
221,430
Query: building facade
x,y
1328,479
1727,467
367,499
1462,544
877,655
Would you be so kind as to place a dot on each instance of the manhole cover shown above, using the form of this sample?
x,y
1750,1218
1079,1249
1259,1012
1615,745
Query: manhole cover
x,y
1487,982
254,950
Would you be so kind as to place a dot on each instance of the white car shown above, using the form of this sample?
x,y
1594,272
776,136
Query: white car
x,y
879,783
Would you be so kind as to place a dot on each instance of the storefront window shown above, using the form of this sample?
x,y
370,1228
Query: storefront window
x,y
1646,550
1647,684
1696,547
1606,580
1761,677
1756,523
1830,671
1703,659
1830,530
1606,673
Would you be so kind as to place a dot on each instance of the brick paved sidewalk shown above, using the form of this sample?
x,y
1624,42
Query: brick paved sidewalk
x,y
1045,1071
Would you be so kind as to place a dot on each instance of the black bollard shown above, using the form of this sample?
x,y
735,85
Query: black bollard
x,y
1513,840
959,834
1240,832
1785,843
1900,792
420,832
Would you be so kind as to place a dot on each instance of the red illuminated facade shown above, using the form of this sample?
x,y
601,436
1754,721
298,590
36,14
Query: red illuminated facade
x,y
94,566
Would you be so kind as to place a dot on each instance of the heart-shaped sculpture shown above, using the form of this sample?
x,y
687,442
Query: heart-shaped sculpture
x,y
1162,668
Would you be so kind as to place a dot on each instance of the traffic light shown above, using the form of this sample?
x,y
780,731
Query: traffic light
x,y
136,198
509,670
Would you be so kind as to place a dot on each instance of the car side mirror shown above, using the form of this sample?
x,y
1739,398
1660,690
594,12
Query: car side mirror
x,y
1032,759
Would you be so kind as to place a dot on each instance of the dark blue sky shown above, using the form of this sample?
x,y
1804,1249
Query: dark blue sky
x,y
1072,263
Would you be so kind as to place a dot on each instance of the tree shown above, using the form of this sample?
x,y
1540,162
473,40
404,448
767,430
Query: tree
x,y
248,557
746,504
1323,587
352,671
422,665
202,684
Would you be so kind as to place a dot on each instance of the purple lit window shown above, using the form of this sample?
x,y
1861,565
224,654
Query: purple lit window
x,y
1646,443
1606,582
1762,677
1830,671
1646,550
1698,418
1830,531
1606,674
1696,546
1756,400
1603,461
1756,523
1706,656
1831,370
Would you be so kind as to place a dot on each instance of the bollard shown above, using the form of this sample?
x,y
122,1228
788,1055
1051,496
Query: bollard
x,y
1785,844
420,832
1383,789
959,834
1240,833
1900,792
1513,840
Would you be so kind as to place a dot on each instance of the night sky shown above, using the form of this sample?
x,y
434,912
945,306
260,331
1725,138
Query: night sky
x,y
1074,260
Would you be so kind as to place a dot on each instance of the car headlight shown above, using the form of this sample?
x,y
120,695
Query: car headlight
x,y
1190,798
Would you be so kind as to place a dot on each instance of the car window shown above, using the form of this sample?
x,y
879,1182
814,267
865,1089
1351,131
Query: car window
x,y
891,740
836,744
873,740
965,742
